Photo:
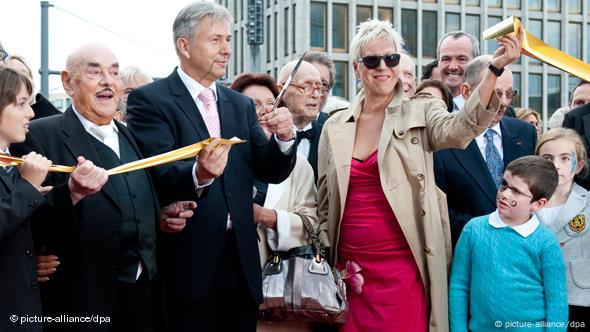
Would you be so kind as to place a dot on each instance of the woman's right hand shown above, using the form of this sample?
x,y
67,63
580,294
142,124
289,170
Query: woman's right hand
x,y
34,169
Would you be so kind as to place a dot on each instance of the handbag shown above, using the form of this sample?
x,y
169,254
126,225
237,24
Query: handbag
x,y
300,285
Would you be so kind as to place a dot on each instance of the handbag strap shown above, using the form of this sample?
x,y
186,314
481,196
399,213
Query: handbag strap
x,y
313,235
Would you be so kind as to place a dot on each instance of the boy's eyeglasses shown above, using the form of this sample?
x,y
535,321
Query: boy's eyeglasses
x,y
373,61
515,191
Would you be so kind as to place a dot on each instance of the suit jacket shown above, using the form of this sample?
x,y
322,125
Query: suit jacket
x,y
85,237
163,117
412,130
43,107
573,233
317,126
464,176
578,119
19,291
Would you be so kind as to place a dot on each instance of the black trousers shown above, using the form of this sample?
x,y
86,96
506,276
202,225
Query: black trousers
x,y
228,305
134,307
580,316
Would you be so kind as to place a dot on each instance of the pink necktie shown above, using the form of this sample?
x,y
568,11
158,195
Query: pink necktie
x,y
210,115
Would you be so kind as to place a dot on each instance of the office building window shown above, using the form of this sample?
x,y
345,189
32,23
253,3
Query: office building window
x,y
363,13
341,86
236,11
276,39
286,33
318,21
267,41
571,84
553,36
472,2
514,4
242,48
535,4
385,14
340,28
452,2
409,32
575,6
553,5
536,28
236,50
495,3
588,42
574,46
472,25
536,92
429,38
553,94
452,22
492,44
516,84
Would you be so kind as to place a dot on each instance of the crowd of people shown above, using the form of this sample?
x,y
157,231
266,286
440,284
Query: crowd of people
x,y
456,210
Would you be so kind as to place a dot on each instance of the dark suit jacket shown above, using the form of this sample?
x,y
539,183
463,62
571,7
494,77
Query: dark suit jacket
x,y
19,291
85,237
163,117
578,119
43,107
464,176
317,126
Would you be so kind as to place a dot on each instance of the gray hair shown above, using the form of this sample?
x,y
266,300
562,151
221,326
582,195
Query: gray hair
x,y
324,59
372,30
475,68
135,73
457,35
186,24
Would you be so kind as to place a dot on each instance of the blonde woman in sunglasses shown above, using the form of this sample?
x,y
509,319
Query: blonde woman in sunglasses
x,y
379,209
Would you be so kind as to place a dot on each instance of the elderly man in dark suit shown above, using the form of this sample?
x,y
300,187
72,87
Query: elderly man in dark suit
x,y
212,267
105,242
471,177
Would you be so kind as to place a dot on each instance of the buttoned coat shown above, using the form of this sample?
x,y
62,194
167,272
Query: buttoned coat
x,y
412,130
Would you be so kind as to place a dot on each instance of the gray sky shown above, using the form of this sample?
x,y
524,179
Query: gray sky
x,y
147,23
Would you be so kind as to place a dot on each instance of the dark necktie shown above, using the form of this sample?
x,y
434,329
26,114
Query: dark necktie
x,y
308,134
10,171
493,160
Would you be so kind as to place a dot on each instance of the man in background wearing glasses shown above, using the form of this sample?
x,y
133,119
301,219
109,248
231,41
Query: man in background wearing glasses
x,y
471,177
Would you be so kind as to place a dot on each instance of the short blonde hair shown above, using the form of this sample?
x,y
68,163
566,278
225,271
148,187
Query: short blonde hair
x,y
524,112
372,30
570,135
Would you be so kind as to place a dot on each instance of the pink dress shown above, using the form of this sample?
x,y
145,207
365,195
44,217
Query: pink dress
x,y
393,296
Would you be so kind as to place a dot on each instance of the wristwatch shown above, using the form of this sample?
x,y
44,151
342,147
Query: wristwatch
x,y
496,71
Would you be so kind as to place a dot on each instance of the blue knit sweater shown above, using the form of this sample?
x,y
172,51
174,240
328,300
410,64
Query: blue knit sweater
x,y
502,280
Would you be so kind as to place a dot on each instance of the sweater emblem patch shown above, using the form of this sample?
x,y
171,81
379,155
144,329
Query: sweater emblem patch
x,y
578,224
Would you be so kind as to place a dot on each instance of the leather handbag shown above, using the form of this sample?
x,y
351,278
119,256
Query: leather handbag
x,y
300,285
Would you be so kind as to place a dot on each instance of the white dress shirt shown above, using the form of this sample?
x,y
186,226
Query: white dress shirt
x,y
304,145
458,103
524,230
482,141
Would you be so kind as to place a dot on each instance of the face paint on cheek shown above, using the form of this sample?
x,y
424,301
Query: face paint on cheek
x,y
574,163
513,203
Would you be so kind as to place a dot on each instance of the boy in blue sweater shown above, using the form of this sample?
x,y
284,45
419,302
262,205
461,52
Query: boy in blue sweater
x,y
507,271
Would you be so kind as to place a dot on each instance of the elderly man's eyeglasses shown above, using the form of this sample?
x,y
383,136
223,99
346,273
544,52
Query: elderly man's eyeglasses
x,y
508,93
515,191
310,89
3,55
373,61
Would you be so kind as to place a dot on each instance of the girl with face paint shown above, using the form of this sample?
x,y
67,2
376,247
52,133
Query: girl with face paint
x,y
567,214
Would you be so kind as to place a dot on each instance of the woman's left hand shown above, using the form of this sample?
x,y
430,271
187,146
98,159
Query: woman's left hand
x,y
509,50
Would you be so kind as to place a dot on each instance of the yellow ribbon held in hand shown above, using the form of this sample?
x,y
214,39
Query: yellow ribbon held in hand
x,y
164,158
538,50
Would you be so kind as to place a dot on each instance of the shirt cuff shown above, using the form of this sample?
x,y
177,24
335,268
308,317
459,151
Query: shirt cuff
x,y
199,188
279,240
284,146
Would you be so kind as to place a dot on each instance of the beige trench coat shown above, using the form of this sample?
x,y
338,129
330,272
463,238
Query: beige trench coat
x,y
412,130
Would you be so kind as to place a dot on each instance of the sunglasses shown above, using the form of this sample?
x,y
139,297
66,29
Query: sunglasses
x,y
373,61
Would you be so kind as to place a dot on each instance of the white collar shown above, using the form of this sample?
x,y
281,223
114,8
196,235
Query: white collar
x,y
304,128
89,124
195,88
524,230
6,151
495,128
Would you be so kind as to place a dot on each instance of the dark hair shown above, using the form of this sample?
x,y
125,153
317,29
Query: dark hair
x,y
427,70
538,173
246,80
444,89
580,83
10,85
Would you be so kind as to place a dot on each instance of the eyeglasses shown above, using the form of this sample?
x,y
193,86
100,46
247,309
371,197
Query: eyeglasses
x,y
311,89
515,191
508,93
3,55
95,73
374,61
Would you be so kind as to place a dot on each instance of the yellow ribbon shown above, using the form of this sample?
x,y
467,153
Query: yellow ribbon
x,y
164,158
537,49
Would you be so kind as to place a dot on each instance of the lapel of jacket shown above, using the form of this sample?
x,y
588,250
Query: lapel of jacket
x,y
313,147
79,144
575,204
187,105
6,180
227,122
476,167
512,144
586,126
275,193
